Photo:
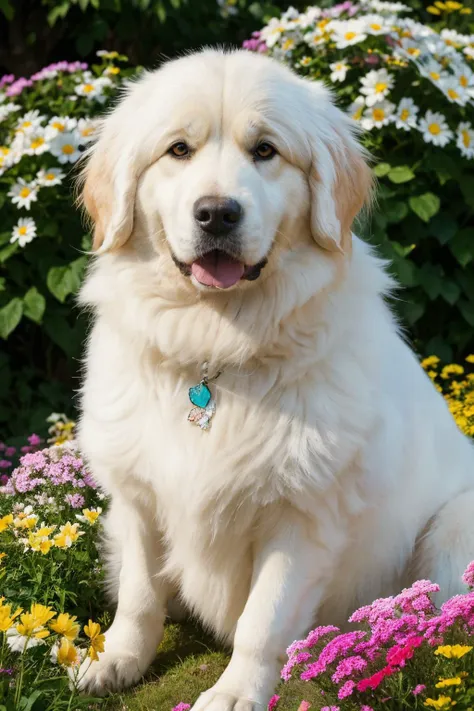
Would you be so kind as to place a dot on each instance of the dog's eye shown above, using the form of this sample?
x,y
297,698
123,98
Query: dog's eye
x,y
264,151
179,150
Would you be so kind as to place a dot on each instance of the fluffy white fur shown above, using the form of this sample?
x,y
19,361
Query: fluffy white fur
x,y
333,472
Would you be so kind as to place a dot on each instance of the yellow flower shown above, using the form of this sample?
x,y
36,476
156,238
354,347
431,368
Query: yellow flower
x,y
453,681
7,618
453,651
466,11
5,522
92,630
442,702
67,654
430,362
26,519
470,358
89,515
433,10
451,369
451,5
41,613
68,534
66,625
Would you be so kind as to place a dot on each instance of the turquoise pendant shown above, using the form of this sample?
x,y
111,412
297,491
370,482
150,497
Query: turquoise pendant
x,y
204,405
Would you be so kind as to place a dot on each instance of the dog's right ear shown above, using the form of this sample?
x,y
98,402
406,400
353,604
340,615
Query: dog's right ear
x,y
108,194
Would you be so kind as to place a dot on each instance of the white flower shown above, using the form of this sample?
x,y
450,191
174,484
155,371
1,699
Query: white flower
x,y
309,17
376,85
375,24
273,31
66,147
338,71
59,124
406,114
28,122
23,193
465,139
19,642
378,115
7,109
24,231
347,32
93,88
315,37
409,48
433,71
356,108
50,177
453,91
34,143
469,52
465,77
387,8
434,128
454,39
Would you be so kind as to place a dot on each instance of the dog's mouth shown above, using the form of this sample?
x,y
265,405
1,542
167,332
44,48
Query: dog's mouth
x,y
219,270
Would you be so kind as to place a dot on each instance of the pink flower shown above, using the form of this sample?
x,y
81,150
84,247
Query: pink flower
x,y
273,702
330,708
372,682
468,575
5,463
364,707
347,666
182,707
418,689
398,655
304,706
34,440
346,689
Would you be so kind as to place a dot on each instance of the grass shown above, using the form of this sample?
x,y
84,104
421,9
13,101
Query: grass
x,y
189,661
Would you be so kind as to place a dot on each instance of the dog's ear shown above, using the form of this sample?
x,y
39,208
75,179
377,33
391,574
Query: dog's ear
x,y
340,181
109,187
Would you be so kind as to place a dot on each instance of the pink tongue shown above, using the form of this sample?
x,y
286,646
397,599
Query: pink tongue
x,y
217,269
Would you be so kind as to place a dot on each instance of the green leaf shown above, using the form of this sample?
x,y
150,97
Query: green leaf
x,y
26,703
59,11
401,174
425,206
161,12
10,317
467,188
443,227
467,310
7,252
2,283
405,271
450,291
395,211
34,304
7,9
382,169
430,277
401,249
62,281
412,311
462,246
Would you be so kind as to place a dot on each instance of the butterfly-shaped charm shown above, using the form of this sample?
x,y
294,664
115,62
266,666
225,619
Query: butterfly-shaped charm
x,y
202,416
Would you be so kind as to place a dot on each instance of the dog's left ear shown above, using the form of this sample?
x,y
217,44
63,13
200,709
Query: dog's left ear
x,y
341,182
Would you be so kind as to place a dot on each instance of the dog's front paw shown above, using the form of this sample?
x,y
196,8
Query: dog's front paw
x,y
112,672
220,701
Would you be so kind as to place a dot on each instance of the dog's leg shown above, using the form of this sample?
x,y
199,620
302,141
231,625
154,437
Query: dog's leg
x,y
132,640
286,588
448,546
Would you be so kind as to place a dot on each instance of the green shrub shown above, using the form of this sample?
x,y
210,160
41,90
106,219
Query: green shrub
x,y
423,220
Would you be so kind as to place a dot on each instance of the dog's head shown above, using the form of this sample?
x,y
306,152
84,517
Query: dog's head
x,y
218,158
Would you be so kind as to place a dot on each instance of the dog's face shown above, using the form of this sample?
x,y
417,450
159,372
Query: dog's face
x,y
218,158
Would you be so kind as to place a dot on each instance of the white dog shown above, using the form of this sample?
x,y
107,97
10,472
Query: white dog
x,y
325,470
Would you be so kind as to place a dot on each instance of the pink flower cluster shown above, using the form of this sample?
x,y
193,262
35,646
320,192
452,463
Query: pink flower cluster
x,y
394,628
255,44
16,86
48,469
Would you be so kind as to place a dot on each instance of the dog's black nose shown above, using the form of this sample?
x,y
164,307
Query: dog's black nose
x,y
217,215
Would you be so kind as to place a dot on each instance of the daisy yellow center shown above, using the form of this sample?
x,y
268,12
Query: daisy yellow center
x,y
463,80
413,51
68,149
322,24
24,192
404,114
434,128
37,142
435,76
50,176
449,42
275,31
380,86
4,150
58,126
88,131
453,94
378,114
88,88
466,138
375,26
26,124
114,70
288,44
22,231
350,36
357,114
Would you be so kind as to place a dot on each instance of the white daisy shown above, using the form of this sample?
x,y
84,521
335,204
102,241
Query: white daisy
x,y
376,85
347,32
387,8
465,77
86,128
356,108
93,88
273,31
465,139
405,116
433,71
409,48
338,71
28,122
453,91
315,37
469,52
60,124
434,128
309,17
24,231
7,109
375,25
451,38
19,642
50,177
378,115
66,147
23,193
35,142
